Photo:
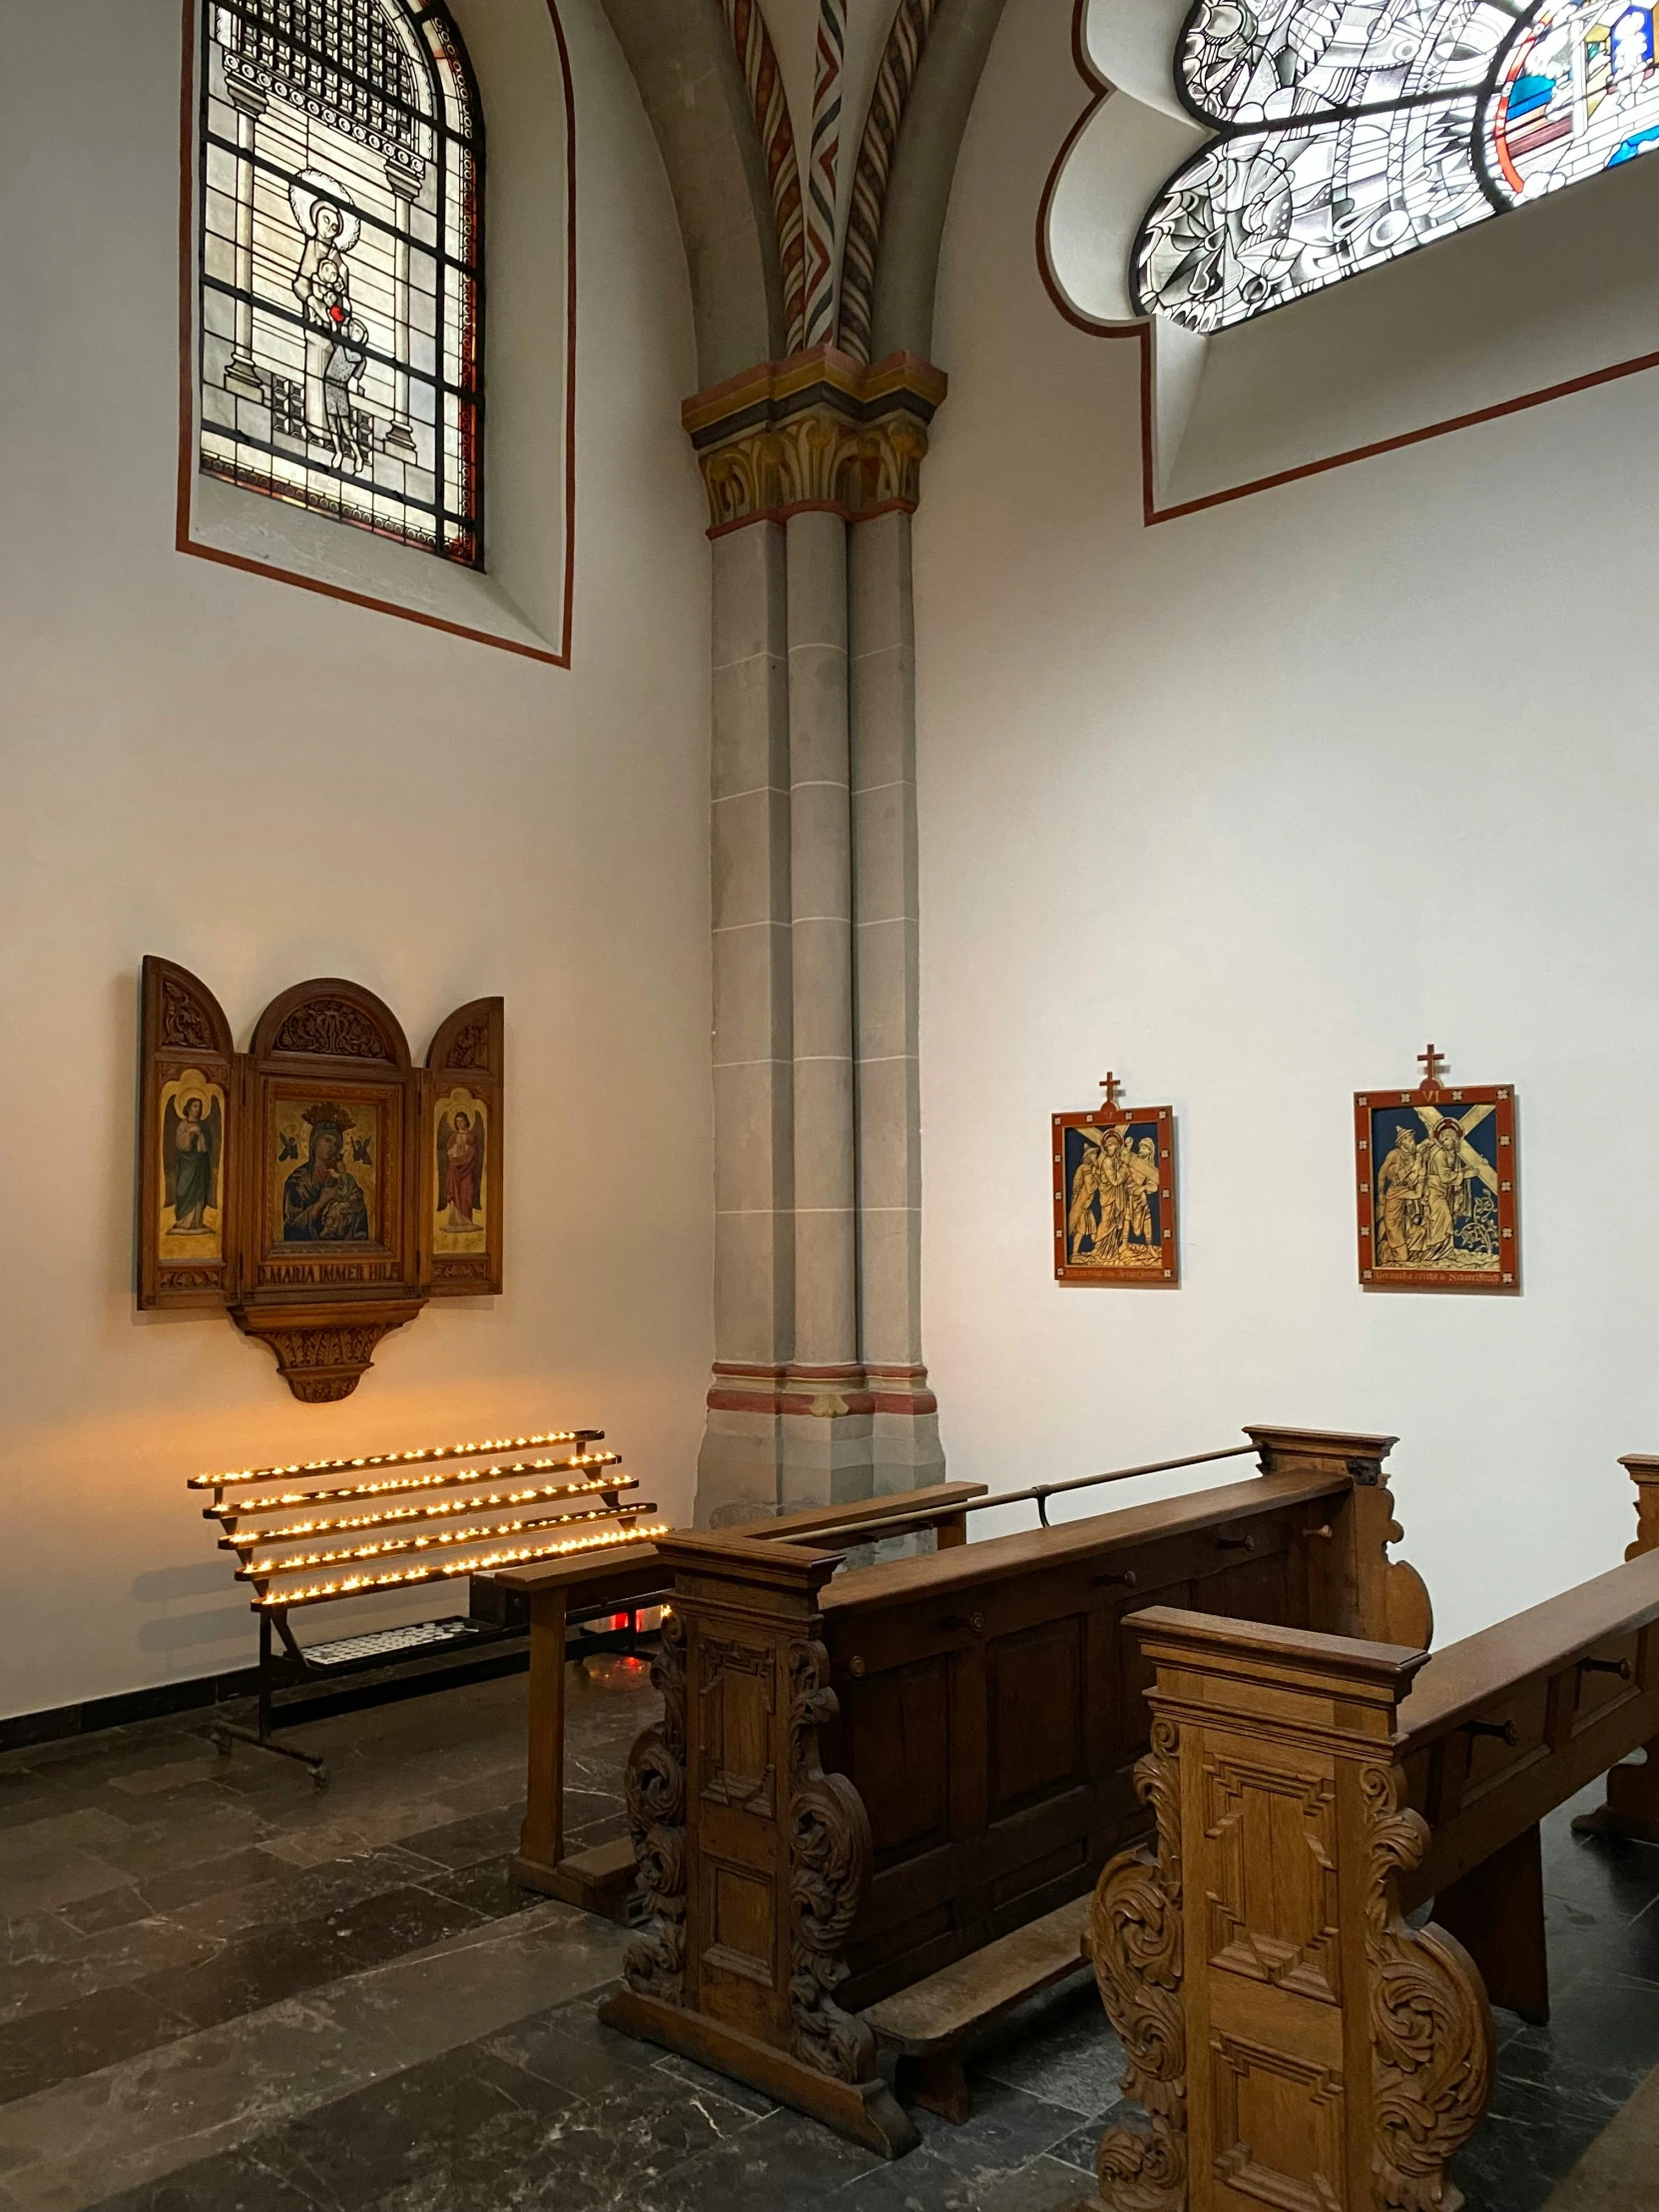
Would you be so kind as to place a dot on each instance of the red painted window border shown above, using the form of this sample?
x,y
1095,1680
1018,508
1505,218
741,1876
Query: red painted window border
x,y
1141,334
186,543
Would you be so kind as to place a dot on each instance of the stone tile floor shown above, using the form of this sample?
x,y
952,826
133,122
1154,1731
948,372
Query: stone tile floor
x,y
222,1992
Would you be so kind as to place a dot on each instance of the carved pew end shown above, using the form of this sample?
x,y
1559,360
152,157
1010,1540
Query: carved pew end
x,y
864,2111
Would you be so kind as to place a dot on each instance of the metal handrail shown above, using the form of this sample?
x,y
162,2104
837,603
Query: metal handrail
x,y
1039,1494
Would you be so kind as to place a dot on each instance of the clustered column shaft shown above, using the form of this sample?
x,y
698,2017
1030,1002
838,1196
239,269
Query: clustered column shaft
x,y
819,1391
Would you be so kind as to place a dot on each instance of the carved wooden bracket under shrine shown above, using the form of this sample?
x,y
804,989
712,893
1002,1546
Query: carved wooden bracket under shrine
x,y
320,1188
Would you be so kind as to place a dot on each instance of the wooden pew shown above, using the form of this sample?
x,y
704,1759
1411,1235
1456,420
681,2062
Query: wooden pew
x,y
1632,1803
859,1783
1292,2040
564,1590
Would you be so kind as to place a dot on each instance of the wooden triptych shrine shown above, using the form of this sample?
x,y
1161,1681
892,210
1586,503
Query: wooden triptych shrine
x,y
320,1187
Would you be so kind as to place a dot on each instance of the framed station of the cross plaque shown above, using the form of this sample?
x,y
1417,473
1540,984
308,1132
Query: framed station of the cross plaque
x,y
1114,1196
1437,1175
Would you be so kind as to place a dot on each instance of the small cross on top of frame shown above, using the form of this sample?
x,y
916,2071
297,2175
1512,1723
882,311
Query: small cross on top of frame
x,y
1433,1064
1113,1089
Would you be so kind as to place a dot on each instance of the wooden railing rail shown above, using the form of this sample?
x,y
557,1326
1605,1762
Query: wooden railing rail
x,y
1039,1493
1465,1680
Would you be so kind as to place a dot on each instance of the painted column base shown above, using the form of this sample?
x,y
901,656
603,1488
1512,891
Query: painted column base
x,y
783,1438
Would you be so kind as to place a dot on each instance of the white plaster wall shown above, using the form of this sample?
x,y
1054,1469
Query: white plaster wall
x,y
266,786
1249,805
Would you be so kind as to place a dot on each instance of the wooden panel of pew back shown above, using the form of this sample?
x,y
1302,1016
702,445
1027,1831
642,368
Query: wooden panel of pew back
x,y
991,1714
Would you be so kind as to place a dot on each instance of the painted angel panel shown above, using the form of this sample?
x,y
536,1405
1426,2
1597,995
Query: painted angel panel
x,y
193,1154
460,1164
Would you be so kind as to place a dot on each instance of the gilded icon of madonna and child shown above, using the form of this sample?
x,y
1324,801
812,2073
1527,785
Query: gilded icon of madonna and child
x,y
1114,1196
1437,1189
328,1196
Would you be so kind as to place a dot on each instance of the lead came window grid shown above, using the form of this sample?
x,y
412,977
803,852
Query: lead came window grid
x,y
341,338
1350,132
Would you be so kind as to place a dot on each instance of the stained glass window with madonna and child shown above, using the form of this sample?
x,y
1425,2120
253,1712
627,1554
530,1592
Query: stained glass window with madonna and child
x,y
341,309
1350,132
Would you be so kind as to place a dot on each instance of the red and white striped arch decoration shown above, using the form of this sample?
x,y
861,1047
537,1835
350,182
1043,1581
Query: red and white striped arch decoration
x,y
893,82
824,171
772,120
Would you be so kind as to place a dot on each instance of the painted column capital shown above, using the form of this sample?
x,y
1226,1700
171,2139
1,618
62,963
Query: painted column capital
x,y
819,432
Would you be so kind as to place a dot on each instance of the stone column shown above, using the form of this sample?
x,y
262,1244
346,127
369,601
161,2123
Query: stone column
x,y
742,1455
832,1440
905,1448
819,1391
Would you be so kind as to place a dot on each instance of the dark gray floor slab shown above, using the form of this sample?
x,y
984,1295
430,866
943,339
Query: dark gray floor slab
x,y
782,2160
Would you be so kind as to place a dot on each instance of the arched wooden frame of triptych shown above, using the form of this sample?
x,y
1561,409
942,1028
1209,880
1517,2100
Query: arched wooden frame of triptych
x,y
320,1188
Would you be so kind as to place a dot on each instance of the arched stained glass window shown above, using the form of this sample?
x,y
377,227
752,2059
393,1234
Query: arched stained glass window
x,y
342,312
1350,132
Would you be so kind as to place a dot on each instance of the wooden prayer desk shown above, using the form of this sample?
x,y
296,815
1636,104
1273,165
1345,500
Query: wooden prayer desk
x,y
601,1880
859,1782
1292,2040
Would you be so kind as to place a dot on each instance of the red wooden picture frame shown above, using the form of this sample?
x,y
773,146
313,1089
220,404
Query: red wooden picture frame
x,y
1438,1212
1136,1211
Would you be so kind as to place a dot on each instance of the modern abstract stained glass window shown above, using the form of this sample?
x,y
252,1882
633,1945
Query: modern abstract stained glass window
x,y
1350,132
342,301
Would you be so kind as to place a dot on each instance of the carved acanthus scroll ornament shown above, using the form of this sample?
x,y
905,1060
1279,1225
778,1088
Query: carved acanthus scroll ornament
x,y
1431,2026
831,1860
333,1027
184,1025
1136,1943
816,460
654,1788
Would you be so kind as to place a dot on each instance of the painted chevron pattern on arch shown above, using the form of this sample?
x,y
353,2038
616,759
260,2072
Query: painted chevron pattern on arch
x,y
893,82
823,169
772,120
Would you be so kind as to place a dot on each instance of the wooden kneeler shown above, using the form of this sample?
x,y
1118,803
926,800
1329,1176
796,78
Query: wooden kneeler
x,y
740,1956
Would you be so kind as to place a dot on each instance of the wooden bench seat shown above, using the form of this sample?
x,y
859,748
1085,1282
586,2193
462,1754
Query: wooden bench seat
x,y
929,2025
